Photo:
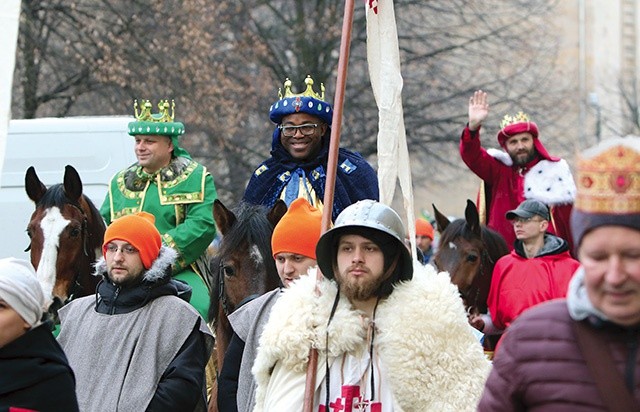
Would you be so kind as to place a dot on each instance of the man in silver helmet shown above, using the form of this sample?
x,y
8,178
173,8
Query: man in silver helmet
x,y
390,334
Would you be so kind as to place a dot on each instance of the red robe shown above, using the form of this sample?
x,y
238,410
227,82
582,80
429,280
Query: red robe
x,y
506,187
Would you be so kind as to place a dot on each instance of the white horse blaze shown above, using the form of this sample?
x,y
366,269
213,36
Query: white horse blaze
x,y
52,225
255,254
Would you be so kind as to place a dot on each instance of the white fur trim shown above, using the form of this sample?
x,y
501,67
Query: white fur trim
x,y
500,155
432,359
157,271
550,182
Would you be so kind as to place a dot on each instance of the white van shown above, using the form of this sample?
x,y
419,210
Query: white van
x,y
97,147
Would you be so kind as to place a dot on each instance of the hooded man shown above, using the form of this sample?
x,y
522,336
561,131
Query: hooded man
x,y
582,353
538,269
177,190
137,344
299,154
390,335
524,170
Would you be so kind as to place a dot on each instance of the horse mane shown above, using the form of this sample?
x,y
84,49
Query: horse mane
x,y
253,227
496,245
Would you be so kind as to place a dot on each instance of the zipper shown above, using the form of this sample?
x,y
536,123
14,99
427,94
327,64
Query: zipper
x,y
113,302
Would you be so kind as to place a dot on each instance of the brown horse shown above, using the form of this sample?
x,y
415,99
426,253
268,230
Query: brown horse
x,y
66,232
244,267
469,251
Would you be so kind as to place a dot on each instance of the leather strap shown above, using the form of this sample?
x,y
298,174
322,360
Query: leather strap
x,y
611,386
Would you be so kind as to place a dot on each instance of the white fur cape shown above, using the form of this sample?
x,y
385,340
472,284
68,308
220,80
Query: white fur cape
x,y
432,359
547,181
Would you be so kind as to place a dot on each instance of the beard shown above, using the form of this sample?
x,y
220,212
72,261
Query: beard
x,y
520,159
359,289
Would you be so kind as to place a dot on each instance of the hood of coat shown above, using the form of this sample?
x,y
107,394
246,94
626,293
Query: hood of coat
x,y
157,281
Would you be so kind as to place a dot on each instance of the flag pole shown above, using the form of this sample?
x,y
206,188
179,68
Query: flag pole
x,y
332,166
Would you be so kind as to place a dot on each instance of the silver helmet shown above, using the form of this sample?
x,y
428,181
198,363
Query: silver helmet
x,y
363,214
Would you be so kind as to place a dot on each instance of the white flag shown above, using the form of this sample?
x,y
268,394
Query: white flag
x,y
9,19
383,56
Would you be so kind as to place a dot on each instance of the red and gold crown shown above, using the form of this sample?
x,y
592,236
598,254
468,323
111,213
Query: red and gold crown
x,y
608,178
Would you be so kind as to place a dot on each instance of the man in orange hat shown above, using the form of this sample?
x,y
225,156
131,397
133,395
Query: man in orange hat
x,y
424,239
137,344
293,244
522,170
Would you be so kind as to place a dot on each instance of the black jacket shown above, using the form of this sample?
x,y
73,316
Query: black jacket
x,y
182,386
35,374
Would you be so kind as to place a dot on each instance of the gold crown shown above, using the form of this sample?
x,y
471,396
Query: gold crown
x,y
609,181
162,116
519,117
309,92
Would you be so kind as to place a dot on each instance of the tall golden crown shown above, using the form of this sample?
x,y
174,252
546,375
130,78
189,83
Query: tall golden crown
x,y
162,116
309,92
519,117
608,179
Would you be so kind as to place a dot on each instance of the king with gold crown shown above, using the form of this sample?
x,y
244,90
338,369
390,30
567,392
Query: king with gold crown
x,y
178,191
299,154
521,169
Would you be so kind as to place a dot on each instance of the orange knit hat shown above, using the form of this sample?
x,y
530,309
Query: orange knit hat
x,y
140,231
424,228
298,231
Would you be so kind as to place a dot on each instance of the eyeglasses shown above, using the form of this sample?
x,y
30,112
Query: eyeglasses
x,y
125,249
524,220
306,129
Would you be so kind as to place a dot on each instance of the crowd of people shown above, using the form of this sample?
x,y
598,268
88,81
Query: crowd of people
x,y
357,323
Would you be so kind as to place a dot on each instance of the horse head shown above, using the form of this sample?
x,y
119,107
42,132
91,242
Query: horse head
x,y
244,266
468,251
66,232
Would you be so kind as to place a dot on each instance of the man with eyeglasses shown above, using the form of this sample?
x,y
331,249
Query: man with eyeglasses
x,y
299,154
137,344
538,269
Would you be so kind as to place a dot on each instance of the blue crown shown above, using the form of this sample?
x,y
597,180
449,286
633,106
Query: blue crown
x,y
308,102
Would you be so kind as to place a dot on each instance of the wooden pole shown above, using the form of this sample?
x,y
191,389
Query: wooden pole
x,y
332,166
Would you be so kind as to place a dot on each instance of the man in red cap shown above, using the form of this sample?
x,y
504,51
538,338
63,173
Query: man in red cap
x,y
524,170
293,244
137,344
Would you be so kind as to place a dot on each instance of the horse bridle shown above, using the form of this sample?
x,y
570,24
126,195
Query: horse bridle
x,y
485,258
222,296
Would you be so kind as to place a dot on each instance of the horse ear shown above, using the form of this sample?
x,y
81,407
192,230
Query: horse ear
x,y
34,187
277,211
72,183
472,218
441,220
224,217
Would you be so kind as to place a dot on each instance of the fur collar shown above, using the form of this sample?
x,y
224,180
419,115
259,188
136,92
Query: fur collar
x,y
158,270
135,179
547,181
431,357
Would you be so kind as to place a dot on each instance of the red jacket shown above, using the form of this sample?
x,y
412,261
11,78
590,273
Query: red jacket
x,y
506,188
519,283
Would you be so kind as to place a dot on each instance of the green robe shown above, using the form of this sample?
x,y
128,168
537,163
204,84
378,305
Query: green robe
x,y
180,196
